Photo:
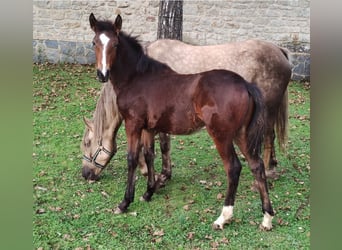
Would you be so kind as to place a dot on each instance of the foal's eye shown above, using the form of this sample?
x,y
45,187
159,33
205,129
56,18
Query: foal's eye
x,y
93,44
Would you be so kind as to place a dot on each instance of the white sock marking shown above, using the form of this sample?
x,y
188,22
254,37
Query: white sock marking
x,y
104,40
267,221
226,215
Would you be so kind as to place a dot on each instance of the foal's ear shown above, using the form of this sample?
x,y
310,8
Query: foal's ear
x,y
92,21
118,24
89,124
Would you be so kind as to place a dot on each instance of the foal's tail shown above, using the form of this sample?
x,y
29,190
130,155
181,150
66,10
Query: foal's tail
x,y
256,127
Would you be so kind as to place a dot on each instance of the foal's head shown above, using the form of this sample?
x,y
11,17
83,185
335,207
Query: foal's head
x,y
105,43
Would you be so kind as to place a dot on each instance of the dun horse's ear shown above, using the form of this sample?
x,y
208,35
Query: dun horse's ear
x,y
118,24
92,21
88,123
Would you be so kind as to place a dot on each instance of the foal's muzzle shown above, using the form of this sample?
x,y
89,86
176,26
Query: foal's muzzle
x,y
101,77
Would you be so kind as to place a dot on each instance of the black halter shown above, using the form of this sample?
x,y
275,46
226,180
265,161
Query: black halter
x,y
93,159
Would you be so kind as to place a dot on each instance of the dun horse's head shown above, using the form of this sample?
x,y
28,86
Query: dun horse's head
x,y
95,155
105,43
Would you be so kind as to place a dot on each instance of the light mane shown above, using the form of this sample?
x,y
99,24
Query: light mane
x,y
106,111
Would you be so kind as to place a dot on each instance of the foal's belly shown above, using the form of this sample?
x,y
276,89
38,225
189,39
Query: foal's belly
x,y
176,123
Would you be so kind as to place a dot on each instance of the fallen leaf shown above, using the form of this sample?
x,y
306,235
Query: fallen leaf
x,y
191,235
253,223
40,188
208,237
104,194
186,207
55,209
159,233
224,240
214,244
40,211
76,216
157,240
133,213
219,196
114,234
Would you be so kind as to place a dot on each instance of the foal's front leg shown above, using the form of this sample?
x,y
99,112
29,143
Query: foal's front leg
x,y
133,141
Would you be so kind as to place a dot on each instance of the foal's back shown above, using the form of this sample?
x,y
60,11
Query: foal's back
x,y
181,104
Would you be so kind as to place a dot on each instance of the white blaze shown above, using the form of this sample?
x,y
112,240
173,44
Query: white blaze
x,y
104,40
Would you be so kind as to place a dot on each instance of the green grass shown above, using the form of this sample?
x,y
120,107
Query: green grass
x,y
70,213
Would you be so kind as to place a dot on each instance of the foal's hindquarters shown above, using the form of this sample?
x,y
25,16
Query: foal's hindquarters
x,y
248,138
235,116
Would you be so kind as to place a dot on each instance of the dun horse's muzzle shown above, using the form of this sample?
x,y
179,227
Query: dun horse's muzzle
x,y
89,174
101,77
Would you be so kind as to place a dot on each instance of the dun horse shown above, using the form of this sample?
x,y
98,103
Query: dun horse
x,y
259,62
153,98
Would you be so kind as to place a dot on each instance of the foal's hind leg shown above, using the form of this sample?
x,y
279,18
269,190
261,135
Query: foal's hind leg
x,y
257,167
232,168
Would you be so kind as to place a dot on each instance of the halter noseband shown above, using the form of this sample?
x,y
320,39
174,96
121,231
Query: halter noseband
x,y
93,159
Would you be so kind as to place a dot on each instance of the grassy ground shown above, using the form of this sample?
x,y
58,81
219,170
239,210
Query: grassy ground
x,y
69,213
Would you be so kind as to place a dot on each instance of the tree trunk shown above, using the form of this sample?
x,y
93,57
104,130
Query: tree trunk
x,y
170,20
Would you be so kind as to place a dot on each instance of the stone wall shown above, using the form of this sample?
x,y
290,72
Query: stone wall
x,y
61,31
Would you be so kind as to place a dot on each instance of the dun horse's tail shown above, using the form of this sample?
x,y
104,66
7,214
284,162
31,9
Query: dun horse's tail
x,y
281,122
256,127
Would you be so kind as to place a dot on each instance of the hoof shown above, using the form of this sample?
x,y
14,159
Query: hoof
x,y
265,228
161,181
117,211
142,198
266,224
217,226
272,174
254,187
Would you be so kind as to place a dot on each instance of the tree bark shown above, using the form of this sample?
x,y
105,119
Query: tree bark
x,y
170,20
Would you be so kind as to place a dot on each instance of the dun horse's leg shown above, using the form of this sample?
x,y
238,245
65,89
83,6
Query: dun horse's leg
x,y
232,167
165,148
267,147
273,160
269,154
149,158
142,163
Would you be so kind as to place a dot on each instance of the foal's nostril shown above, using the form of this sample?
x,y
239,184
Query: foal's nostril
x,y
101,77
107,76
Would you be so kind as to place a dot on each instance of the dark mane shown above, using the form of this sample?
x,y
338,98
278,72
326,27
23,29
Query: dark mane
x,y
104,26
144,63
